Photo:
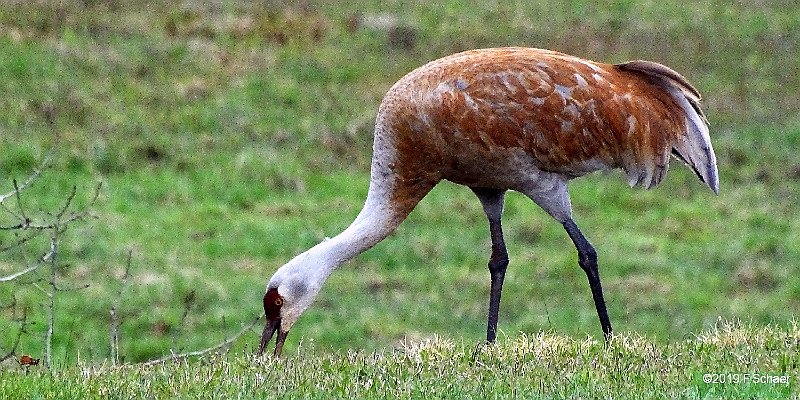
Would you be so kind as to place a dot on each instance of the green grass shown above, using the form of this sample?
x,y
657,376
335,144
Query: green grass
x,y
231,137
741,359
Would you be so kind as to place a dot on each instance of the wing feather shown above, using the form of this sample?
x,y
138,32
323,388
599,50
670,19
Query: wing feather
x,y
694,147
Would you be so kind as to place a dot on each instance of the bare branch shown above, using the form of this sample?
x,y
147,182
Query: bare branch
x,y
32,177
18,274
21,214
73,289
59,222
56,224
26,225
115,321
67,203
188,303
86,212
23,323
43,227
18,188
20,207
95,196
20,242
8,210
225,344
51,293
45,259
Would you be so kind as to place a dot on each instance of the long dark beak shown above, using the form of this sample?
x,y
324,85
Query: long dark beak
x,y
269,329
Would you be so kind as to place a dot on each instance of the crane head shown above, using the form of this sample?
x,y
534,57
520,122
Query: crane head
x,y
273,302
290,291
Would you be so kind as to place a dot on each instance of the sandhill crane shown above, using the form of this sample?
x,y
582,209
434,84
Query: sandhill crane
x,y
503,119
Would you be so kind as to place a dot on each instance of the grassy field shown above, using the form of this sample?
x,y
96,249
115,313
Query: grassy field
x,y
730,361
230,136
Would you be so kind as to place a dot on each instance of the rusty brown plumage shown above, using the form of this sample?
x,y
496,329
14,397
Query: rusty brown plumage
x,y
572,116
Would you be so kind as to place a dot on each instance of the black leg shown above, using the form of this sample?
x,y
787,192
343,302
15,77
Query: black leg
x,y
587,259
492,201
497,269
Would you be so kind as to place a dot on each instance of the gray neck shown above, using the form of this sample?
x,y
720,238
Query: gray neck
x,y
371,226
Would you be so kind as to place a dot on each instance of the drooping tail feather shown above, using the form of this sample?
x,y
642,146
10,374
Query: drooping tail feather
x,y
694,147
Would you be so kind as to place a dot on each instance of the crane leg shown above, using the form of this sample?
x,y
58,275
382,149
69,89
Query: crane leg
x,y
587,259
492,201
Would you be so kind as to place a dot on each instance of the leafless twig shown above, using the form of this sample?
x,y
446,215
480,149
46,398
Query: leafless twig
x,y
23,216
31,178
18,188
58,227
23,322
20,273
224,345
29,226
188,303
51,294
115,320
21,241
67,203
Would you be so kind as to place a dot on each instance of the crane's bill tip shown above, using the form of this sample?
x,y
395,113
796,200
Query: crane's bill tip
x,y
279,342
269,330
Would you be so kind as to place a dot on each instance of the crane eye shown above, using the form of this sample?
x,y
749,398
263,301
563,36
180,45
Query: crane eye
x,y
278,301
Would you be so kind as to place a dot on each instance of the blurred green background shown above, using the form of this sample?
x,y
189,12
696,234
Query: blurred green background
x,y
230,136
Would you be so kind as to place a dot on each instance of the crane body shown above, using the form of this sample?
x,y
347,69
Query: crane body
x,y
521,119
